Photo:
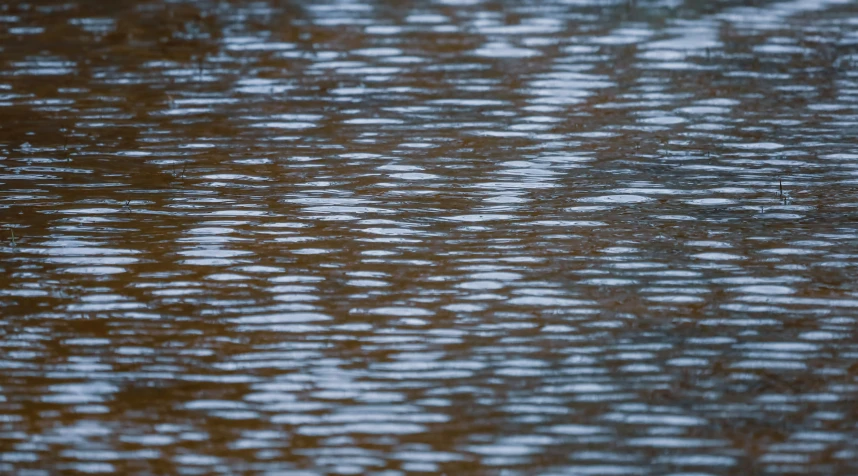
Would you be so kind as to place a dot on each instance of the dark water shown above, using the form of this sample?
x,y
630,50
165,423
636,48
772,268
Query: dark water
x,y
455,236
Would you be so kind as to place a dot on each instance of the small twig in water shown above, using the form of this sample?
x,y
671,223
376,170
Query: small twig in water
x,y
781,193
66,146
13,239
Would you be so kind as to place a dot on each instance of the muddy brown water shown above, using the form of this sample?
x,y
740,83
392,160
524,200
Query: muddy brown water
x,y
445,236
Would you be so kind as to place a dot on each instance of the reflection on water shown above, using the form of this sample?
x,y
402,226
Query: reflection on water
x,y
439,236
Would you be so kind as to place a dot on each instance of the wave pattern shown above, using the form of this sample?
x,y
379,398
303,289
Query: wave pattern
x,y
438,236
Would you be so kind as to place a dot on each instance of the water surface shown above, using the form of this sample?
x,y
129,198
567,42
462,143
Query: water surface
x,y
437,236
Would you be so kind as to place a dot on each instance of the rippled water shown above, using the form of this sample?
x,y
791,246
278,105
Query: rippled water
x,y
443,236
